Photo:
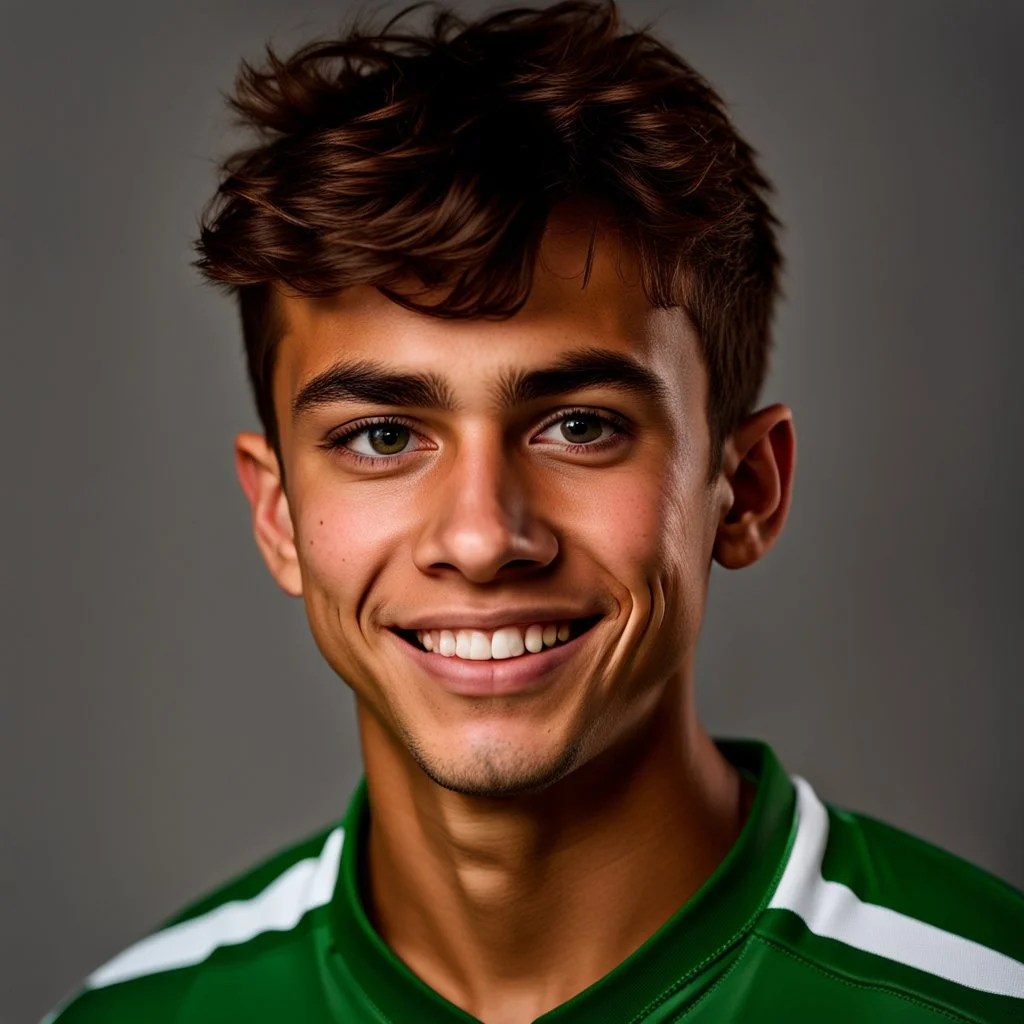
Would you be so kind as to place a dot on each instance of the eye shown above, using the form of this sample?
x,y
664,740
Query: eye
x,y
374,441
383,439
579,428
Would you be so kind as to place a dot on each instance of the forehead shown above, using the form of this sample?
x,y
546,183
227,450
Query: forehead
x,y
609,311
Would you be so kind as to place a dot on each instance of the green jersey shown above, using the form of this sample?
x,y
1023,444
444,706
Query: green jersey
x,y
816,914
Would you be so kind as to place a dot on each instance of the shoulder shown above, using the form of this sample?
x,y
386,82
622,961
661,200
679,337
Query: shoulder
x,y
176,972
877,906
895,869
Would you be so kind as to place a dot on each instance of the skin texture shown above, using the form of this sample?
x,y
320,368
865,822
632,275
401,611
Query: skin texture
x,y
496,819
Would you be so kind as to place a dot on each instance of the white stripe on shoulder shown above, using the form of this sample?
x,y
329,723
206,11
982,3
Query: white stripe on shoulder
x,y
834,911
279,907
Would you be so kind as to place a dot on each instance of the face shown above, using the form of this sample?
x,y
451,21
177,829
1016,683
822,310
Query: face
x,y
548,469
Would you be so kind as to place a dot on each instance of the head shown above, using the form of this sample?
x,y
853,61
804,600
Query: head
x,y
506,291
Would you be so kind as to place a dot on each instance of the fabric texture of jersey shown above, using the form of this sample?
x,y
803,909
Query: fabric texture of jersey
x,y
816,914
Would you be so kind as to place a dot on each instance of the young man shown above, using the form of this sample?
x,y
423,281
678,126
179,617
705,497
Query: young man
x,y
506,290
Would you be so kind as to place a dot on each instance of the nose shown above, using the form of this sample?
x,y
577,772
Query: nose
x,y
482,521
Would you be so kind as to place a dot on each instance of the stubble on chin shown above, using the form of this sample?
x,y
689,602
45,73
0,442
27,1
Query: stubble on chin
x,y
497,769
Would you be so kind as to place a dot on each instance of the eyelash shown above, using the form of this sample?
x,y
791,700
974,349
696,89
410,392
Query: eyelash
x,y
337,443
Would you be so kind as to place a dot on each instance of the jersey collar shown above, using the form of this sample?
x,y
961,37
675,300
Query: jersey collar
x,y
716,917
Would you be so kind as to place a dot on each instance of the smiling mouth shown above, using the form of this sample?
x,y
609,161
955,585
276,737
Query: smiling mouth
x,y
496,645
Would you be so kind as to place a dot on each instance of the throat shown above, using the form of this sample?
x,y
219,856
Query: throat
x,y
492,932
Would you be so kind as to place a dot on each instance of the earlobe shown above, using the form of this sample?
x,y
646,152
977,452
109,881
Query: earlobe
x,y
260,477
758,468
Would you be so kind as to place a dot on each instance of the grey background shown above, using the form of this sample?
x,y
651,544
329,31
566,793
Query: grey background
x,y
167,720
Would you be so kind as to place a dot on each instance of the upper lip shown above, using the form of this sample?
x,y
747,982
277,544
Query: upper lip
x,y
495,618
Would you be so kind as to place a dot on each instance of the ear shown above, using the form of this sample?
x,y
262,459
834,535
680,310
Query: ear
x,y
260,477
758,463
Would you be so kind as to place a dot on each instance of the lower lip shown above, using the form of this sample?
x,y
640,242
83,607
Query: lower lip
x,y
496,677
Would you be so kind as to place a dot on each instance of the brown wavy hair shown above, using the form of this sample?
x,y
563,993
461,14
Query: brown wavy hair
x,y
436,156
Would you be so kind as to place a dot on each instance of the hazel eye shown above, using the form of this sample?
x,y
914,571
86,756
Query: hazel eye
x,y
375,441
387,438
587,429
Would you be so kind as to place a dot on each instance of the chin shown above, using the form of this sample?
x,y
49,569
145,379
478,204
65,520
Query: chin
x,y
497,768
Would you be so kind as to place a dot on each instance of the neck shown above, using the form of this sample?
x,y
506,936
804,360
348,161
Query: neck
x,y
491,902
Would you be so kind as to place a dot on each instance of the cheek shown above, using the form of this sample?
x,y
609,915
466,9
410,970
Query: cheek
x,y
642,525
344,540
647,531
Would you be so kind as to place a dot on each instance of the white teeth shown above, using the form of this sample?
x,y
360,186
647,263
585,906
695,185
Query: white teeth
x,y
479,646
534,640
500,647
506,642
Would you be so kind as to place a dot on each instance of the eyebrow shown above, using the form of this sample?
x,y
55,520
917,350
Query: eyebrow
x,y
376,383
